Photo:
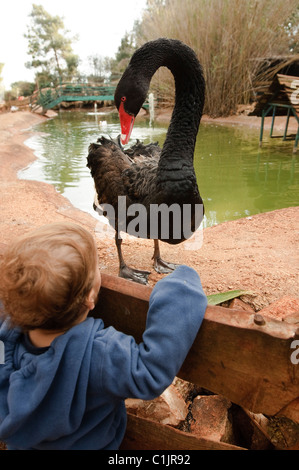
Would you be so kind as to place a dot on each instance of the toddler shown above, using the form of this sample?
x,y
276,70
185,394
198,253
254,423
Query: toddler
x,y
65,376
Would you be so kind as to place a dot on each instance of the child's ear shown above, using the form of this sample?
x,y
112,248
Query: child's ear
x,y
90,300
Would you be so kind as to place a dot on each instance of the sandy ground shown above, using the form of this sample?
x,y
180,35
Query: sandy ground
x,y
257,254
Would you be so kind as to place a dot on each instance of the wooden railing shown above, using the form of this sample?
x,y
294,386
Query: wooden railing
x,y
50,97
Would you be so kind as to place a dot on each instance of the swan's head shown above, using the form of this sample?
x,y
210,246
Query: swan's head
x,y
129,96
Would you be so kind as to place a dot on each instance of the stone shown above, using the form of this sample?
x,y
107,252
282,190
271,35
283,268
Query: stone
x,y
238,304
186,389
281,308
169,408
211,418
283,432
50,113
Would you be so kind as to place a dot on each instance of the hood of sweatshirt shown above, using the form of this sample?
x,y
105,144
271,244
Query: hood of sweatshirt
x,y
32,389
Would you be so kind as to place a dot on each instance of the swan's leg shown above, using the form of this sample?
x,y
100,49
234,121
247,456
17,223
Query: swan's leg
x,y
162,267
125,271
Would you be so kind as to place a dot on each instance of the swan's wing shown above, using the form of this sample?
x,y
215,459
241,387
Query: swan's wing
x,y
117,172
107,162
139,181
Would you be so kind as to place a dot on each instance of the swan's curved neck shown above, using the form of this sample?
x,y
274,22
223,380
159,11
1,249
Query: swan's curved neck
x,y
189,97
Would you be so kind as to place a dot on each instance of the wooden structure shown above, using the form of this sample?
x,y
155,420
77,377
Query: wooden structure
x,y
268,67
282,93
242,356
50,97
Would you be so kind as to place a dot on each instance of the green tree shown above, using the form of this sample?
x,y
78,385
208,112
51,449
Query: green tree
x,y
126,48
23,88
124,53
101,67
50,48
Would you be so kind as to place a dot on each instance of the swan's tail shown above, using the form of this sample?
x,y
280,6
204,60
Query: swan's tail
x,y
106,155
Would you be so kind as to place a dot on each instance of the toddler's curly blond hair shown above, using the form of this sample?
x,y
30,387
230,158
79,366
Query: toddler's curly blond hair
x,y
46,276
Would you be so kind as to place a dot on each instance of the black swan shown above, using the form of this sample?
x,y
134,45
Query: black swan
x,y
145,174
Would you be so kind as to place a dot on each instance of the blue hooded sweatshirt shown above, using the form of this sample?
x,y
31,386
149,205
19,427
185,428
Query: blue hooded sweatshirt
x,y
71,394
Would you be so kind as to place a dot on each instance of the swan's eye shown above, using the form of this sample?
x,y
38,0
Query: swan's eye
x,y
123,98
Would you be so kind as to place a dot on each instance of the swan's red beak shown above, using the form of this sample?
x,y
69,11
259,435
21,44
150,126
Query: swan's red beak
x,y
126,124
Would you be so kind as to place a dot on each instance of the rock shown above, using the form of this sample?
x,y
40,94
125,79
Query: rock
x,y
283,432
39,110
186,389
281,308
238,304
210,418
50,113
169,408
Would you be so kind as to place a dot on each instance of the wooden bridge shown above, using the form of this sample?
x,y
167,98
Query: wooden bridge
x,y
50,97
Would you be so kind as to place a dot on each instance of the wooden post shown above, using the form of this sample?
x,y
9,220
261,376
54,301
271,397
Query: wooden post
x,y
262,127
265,112
287,124
273,119
297,135
296,141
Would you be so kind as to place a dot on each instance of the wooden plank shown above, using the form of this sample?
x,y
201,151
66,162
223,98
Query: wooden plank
x,y
248,363
123,304
86,98
287,89
286,79
145,434
281,91
291,411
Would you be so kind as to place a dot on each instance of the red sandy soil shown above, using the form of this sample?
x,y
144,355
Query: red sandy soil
x,y
257,254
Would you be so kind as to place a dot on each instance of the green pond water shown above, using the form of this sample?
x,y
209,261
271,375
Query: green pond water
x,y
236,178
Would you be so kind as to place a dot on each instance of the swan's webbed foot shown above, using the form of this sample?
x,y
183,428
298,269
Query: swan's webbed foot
x,y
164,267
135,275
125,271
161,266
